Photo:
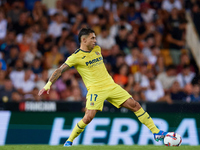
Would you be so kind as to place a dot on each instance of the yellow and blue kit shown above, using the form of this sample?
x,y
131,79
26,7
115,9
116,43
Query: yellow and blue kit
x,y
96,78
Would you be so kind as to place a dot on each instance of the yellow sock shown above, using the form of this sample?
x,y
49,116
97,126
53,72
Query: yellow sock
x,y
80,126
146,120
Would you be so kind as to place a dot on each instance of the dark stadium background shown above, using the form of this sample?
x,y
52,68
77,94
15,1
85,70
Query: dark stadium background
x,y
150,48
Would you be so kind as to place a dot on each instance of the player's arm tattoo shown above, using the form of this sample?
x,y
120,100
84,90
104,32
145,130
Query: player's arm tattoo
x,y
58,72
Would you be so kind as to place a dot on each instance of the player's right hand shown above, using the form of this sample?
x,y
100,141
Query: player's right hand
x,y
45,88
42,91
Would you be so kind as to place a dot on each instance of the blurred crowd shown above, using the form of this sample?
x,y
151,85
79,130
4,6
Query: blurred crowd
x,y
143,44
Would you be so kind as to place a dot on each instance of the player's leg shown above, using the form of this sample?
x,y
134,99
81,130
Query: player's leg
x,y
121,98
144,117
80,126
95,100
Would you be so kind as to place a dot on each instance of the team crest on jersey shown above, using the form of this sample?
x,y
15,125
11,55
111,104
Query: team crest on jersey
x,y
92,103
97,53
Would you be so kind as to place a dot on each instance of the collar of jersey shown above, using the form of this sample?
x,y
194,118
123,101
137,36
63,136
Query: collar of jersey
x,y
84,51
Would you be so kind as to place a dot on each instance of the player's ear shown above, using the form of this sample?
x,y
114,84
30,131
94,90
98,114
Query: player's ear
x,y
84,40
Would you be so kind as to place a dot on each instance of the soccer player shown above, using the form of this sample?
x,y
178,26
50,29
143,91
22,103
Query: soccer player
x,y
89,63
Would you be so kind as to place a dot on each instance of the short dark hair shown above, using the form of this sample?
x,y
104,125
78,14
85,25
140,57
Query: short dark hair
x,y
170,67
84,31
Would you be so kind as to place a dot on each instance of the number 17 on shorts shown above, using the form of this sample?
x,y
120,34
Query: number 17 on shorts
x,y
93,98
95,101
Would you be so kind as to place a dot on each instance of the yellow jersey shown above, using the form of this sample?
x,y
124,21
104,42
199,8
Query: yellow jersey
x,y
91,67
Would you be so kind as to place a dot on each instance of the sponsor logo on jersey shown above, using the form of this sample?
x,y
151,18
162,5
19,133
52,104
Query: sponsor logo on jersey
x,y
83,57
94,61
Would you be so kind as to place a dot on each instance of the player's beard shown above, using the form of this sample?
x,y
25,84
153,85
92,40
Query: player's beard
x,y
90,47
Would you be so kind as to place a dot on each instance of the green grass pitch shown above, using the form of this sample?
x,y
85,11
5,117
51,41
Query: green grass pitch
x,y
105,147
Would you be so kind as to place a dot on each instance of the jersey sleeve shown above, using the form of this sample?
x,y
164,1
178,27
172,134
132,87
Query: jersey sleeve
x,y
71,61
